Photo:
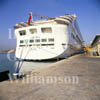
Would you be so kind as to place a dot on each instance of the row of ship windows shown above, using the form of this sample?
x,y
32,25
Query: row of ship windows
x,y
38,40
34,30
50,44
37,45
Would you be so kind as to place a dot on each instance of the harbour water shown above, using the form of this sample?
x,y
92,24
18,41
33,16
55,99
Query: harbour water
x,y
8,62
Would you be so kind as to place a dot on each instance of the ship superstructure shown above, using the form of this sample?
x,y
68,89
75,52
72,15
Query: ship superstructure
x,y
56,37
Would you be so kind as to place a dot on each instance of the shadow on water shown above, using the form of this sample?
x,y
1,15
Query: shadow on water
x,y
4,76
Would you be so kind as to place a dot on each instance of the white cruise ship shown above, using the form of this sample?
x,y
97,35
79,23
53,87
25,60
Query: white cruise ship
x,y
52,38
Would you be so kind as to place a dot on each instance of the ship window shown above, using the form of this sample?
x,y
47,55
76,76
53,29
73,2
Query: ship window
x,y
33,31
31,41
44,40
46,30
21,41
23,32
26,41
47,44
21,45
63,44
30,45
37,40
51,40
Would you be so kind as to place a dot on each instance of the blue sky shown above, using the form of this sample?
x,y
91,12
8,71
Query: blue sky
x,y
15,11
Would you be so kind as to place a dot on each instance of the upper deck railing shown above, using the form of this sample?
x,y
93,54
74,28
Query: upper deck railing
x,y
66,19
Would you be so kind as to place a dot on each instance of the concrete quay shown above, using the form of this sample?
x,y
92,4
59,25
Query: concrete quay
x,y
87,86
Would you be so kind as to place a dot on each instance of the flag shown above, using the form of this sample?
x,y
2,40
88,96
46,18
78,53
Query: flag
x,y
30,17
